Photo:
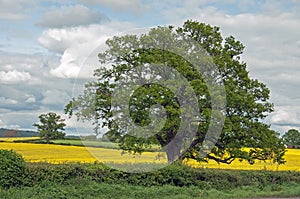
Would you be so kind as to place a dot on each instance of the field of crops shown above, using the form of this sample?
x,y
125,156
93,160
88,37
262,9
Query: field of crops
x,y
62,154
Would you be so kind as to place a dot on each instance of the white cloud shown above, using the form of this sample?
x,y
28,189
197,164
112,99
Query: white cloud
x,y
132,6
4,125
14,76
272,49
69,67
58,40
30,99
285,118
76,45
55,97
6,101
268,29
71,16
34,64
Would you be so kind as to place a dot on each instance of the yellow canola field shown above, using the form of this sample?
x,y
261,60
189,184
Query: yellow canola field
x,y
63,154
292,158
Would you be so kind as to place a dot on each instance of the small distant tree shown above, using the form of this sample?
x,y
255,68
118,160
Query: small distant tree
x,y
51,127
292,137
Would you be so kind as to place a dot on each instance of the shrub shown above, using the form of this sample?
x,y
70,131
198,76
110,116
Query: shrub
x,y
12,168
174,175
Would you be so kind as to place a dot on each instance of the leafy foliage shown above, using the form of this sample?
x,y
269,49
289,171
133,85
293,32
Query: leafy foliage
x,y
247,99
51,126
12,168
175,175
292,137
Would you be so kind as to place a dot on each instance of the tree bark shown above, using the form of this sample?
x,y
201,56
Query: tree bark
x,y
173,149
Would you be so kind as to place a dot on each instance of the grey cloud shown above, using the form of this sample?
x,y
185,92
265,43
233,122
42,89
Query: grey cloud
x,y
71,16
18,119
28,99
55,97
15,98
272,48
14,9
285,117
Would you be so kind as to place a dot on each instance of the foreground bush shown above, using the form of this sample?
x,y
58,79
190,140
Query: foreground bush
x,y
12,168
174,175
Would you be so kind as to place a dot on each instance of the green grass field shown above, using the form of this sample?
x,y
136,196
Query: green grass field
x,y
78,188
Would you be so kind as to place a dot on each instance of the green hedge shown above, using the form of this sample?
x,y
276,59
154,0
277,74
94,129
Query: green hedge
x,y
175,175
12,168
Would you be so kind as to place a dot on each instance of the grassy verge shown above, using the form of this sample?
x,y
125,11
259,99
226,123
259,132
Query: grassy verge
x,y
79,188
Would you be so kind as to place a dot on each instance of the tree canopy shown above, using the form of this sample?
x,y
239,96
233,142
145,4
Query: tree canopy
x,y
171,106
51,126
292,137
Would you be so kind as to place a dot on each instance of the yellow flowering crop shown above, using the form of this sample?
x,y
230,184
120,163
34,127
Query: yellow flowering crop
x,y
63,154
11,139
292,157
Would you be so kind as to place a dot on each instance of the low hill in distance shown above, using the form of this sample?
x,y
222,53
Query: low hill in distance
x,y
17,133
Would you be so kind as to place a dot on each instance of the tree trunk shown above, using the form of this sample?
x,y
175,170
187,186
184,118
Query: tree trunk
x,y
47,139
173,149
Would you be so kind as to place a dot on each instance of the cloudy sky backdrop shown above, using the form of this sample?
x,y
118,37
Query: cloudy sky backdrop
x,y
43,44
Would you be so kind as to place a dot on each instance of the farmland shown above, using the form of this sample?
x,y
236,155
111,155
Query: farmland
x,y
62,154
62,170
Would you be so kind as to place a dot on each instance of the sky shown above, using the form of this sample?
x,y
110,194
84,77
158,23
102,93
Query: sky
x,y
44,43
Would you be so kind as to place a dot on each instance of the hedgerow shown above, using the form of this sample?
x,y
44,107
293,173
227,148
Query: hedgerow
x,y
175,175
12,168
14,172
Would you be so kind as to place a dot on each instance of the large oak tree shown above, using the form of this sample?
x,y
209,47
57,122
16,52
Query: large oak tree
x,y
244,136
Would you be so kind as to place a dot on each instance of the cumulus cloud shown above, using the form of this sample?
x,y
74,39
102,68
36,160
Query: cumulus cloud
x,y
271,35
58,40
14,76
71,16
25,69
282,116
55,97
19,93
285,118
268,29
77,45
69,67
132,6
